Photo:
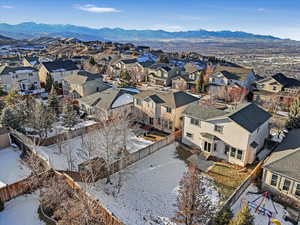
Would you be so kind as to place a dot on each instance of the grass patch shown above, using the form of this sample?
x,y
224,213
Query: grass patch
x,y
228,177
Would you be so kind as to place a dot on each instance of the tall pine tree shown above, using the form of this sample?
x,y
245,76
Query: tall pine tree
x,y
70,118
49,82
294,115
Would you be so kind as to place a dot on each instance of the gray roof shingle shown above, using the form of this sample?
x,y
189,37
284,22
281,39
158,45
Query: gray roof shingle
x,y
285,160
203,112
67,65
250,116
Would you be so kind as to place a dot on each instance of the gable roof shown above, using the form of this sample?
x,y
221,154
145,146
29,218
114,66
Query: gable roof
x,y
239,73
250,116
104,99
203,112
18,69
280,78
128,61
82,77
286,157
60,65
168,98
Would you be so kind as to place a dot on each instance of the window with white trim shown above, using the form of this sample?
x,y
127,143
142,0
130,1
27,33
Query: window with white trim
x,y
274,180
195,122
286,185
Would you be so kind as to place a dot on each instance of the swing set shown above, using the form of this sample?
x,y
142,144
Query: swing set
x,y
259,206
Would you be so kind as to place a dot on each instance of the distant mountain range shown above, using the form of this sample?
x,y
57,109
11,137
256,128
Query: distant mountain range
x,y
34,30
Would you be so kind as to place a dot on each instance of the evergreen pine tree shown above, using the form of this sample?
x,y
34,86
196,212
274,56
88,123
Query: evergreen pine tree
x,y
1,205
10,119
244,217
54,101
92,61
49,82
294,115
70,117
224,217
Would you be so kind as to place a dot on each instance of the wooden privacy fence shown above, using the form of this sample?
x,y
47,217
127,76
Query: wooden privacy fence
x,y
66,135
120,164
21,187
30,184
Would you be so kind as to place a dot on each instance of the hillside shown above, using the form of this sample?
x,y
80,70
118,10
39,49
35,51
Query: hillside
x,y
33,30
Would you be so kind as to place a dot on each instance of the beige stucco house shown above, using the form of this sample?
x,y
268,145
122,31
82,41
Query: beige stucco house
x,y
83,84
235,136
277,83
57,70
281,171
161,74
19,78
163,109
108,102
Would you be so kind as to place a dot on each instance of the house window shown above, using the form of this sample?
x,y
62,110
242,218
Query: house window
x,y
150,121
168,110
233,152
215,147
227,149
138,101
286,185
219,129
207,146
274,88
159,121
189,135
239,154
170,125
194,122
274,180
297,192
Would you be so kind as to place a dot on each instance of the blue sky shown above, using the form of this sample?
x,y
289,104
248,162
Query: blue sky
x,y
276,17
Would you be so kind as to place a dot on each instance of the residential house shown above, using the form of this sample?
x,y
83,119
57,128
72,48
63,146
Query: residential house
x,y
279,82
234,136
162,74
226,75
83,84
281,171
31,61
57,69
277,90
163,110
19,78
109,101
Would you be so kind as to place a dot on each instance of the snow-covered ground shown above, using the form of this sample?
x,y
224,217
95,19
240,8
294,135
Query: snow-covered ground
x,y
260,219
149,189
72,149
12,168
21,211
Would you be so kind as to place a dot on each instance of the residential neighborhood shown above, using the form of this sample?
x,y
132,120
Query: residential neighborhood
x,y
109,133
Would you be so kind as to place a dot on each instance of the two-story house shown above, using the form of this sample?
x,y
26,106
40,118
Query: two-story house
x,y
19,78
227,75
277,83
107,102
235,136
162,74
163,110
281,171
83,84
57,69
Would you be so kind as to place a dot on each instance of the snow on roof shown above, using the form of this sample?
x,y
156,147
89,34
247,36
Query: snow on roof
x,y
122,100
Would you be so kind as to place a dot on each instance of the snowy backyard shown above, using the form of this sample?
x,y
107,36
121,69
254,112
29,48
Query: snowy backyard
x,y
260,219
73,150
149,189
21,211
12,168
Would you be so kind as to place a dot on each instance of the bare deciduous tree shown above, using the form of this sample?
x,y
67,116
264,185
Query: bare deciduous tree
x,y
193,205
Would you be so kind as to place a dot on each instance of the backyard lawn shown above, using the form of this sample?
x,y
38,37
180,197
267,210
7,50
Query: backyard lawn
x,y
228,177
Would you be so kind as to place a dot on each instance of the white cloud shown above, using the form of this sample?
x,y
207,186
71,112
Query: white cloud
x,y
95,9
6,7
261,9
